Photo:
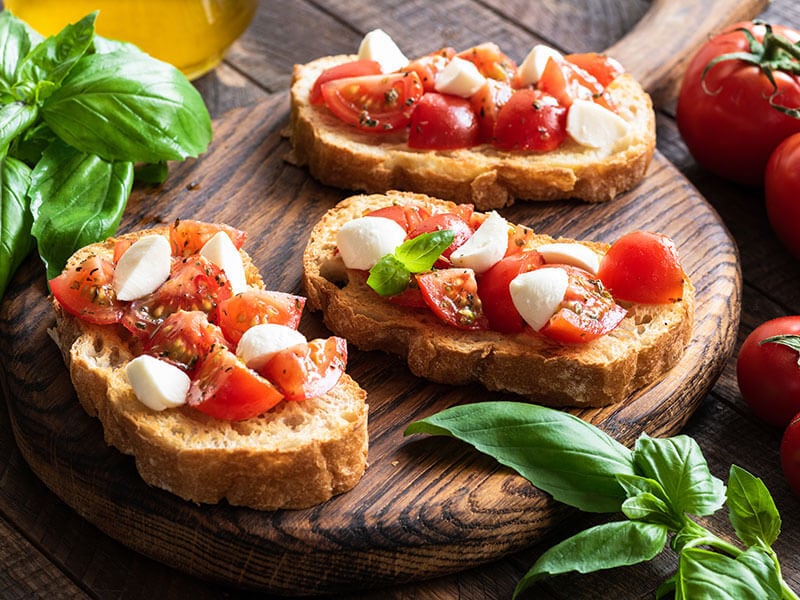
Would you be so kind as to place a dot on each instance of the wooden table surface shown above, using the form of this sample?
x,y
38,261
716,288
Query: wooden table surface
x,y
48,550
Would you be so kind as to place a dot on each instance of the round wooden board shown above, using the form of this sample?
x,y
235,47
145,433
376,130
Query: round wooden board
x,y
426,506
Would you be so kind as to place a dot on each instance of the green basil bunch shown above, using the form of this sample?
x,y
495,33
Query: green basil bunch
x,y
657,486
80,116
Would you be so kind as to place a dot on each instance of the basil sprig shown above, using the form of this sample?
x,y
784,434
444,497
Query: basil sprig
x,y
658,486
392,273
81,118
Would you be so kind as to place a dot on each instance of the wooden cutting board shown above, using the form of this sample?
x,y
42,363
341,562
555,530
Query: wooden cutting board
x,y
426,506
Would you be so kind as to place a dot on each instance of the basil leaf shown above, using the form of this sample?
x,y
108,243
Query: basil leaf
x,y
678,464
15,218
419,253
388,277
15,119
129,106
751,509
572,460
650,509
14,46
604,546
151,173
703,574
76,199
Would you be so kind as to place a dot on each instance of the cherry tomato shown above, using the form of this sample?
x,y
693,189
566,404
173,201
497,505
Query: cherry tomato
x,y
567,82
225,388
729,113
237,314
781,185
491,61
768,372
430,65
408,216
183,338
790,454
375,103
443,122
439,222
452,295
644,267
307,370
494,293
520,239
586,313
530,120
603,68
85,291
486,104
355,68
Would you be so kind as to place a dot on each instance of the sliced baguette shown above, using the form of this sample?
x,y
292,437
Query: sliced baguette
x,y
341,156
648,342
294,456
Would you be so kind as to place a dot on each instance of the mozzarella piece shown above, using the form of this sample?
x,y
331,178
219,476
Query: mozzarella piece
x,y
221,251
537,294
364,241
378,46
261,342
460,78
531,69
570,253
595,126
486,246
157,383
143,267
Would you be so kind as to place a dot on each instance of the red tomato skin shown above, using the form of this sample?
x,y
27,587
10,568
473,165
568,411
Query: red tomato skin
x,y
408,216
443,122
486,103
354,68
495,295
768,374
790,454
86,292
237,314
530,120
731,129
452,295
428,66
782,192
603,68
491,61
184,338
643,267
188,236
307,370
439,222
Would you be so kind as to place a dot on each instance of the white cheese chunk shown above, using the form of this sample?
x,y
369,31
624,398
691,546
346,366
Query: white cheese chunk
x,y
486,246
570,253
143,267
222,252
460,78
531,69
364,241
157,383
537,294
595,126
378,46
261,342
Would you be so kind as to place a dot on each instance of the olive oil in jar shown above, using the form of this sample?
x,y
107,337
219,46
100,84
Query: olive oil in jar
x,y
193,35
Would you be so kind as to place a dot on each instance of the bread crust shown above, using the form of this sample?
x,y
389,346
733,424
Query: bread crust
x,y
341,156
648,342
294,456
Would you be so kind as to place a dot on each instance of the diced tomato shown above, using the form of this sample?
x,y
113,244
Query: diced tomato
x,y
587,312
439,222
237,314
567,82
86,291
120,246
411,296
195,283
603,68
430,65
355,68
307,370
486,103
443,122
183,338
491,61
643,266
375,103
495,295
224,388
187,236
408,216
530,120
520,238
452,295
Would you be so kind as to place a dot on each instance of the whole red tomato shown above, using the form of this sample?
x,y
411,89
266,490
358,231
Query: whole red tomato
x,y
768,371
730,114
782,192
790,454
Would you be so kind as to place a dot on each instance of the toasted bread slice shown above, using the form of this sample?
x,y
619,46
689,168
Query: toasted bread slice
x,y
341,156
648,342
296,455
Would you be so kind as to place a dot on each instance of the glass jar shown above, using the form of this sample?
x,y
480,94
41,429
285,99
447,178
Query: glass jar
x,y
193,35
